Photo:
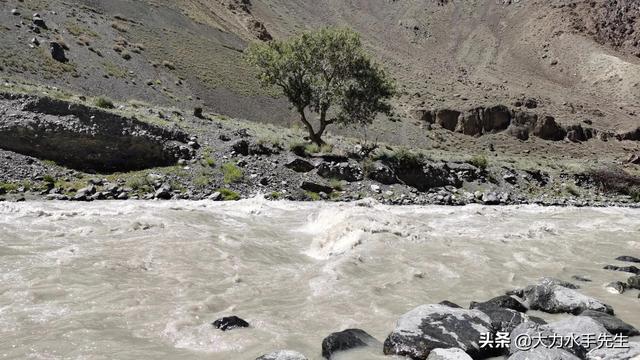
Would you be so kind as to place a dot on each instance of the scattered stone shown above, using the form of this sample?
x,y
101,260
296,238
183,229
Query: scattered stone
x,y
559,299
504,301
15,12
430,327
629,269
315,187
216,196
580,278
375,188
197,112
628,259
283,355
57,52
616,287
241,147
164,192
382,173
350,172
448,354
490,198
611,323
346,340
634,282
299,165
38,21
230,323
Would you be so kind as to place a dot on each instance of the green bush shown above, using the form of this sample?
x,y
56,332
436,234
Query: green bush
x,y
313,196
402,157
479,161
232,173
103,102
229,195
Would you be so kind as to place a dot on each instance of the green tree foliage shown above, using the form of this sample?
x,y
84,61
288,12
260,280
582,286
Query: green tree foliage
x,y
328,73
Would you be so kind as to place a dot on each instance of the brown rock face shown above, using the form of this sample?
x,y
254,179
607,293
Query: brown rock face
x,y
548,129
448,119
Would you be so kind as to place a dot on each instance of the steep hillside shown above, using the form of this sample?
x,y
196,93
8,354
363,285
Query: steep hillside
x,y
573,60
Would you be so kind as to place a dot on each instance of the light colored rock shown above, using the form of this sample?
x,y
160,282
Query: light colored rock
x,y
283,355
449,354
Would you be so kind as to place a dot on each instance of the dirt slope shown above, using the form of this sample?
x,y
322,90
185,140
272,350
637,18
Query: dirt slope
x,y
577,59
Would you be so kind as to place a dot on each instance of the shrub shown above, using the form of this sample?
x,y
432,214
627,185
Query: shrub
x,y
401,157
229,195
479,161
232,173
103,102
337,184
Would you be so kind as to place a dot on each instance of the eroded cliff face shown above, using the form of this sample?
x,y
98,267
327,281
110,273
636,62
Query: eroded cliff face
x,y
85,138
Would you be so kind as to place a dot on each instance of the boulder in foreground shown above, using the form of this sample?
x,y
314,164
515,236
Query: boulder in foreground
x,y
283,355
230,323
346,340
430,327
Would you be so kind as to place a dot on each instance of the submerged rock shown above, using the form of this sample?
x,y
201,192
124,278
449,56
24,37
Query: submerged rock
x,y
634,282
230,323
611,323
283,355
430,327
629,269
628,259
504,301
616,287
559,299
346,340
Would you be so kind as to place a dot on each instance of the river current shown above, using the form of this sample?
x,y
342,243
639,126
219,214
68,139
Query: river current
x,y
144,280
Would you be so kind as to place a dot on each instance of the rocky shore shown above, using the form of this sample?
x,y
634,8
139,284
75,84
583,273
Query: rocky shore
x,y
500,327
74,150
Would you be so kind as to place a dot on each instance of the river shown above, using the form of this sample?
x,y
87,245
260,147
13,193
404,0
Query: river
x,y
144,280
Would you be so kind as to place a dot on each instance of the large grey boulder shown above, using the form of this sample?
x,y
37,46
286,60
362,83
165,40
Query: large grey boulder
x,y
634,282
341,171
346,340
449,354
627,353
612,323
503,319
573,327
283,355
504,301
430,327
559,299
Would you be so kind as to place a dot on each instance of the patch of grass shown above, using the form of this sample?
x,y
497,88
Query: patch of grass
x,y
337,184
103,102
49,179
114,70
572,190
119,26
229,195
202,181
77,30
6,187
313,196
401,156
479,161
275,195
232,173
208,161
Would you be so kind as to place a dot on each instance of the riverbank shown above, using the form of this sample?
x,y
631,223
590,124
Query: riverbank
x,y
66,147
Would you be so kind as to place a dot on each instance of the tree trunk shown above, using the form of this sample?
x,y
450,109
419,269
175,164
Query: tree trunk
x,y
315,137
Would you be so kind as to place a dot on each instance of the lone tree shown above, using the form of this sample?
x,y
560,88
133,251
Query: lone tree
x,y
325,72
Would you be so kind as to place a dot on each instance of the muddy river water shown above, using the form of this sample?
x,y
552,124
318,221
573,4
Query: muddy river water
x,y
144,280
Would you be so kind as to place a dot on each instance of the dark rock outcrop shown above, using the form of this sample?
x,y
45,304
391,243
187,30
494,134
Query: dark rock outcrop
x,y
89,139
346,340
315,187
299,165
430,327
230,323
382,173
634,282
57,52
341,171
